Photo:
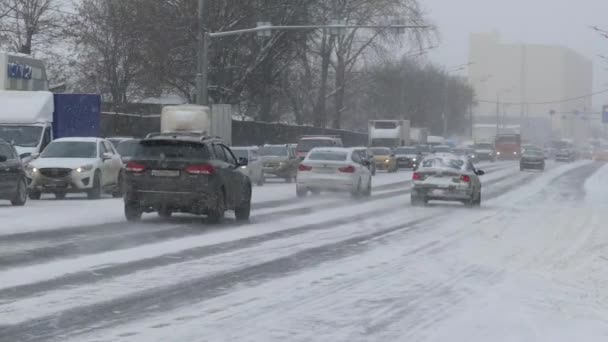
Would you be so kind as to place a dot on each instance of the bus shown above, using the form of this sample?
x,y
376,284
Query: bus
x,y
508,146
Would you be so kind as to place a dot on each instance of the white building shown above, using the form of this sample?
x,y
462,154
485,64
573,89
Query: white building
x,y
527,82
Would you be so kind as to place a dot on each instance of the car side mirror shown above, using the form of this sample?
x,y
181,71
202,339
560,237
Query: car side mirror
x,y
106,156
480,172
243,161
3,159
25,155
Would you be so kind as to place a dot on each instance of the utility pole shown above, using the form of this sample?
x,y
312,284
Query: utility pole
x,y
497,113
445,106
202,71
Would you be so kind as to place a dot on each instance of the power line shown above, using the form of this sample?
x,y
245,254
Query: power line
x,y
547,102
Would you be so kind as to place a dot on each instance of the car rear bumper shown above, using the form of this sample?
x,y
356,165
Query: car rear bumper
x,y
278,172
532,164
442,193
151,200
326,182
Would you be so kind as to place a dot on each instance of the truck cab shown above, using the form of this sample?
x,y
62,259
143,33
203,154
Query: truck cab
x,y
26,119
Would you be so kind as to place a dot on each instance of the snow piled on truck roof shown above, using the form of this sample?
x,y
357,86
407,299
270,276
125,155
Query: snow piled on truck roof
x,y
26,107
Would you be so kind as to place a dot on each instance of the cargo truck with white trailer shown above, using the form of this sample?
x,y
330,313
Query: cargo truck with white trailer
x,y
389,133
30,120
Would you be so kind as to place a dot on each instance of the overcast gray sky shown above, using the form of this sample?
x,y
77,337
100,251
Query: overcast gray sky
x,y
557,22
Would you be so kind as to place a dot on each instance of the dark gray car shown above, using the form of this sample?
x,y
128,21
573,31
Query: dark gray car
x,y
279,161
186,174
532,159
13,186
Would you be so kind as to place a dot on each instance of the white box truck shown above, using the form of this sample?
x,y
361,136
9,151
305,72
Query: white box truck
x,y
198,119
389,133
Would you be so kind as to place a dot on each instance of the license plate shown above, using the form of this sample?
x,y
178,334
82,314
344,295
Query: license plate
x,y
324,170
165,173
56,185
438,192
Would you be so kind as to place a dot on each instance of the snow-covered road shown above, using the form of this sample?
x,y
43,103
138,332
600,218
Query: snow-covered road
x,y
528,265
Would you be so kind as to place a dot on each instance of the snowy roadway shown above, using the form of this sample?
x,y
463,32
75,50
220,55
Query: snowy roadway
x,y
530,264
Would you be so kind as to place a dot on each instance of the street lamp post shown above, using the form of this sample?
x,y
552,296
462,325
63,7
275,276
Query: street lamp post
x,y
264,29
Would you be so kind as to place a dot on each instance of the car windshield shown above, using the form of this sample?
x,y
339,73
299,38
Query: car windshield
x,y
484,146
24,136
380,151
406,150
127,148
327,156
70,149
423,148
533,153
171,149
443,163
240,153
273,151
306,145
442,149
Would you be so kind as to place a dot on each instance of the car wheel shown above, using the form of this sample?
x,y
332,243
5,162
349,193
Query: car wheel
x,y
60,195
120,186
477,202
356,193
368,191
418,201
301,192
133,212
95,192
216,215
21,195
243,212
261,180
288,179
34,195
165,212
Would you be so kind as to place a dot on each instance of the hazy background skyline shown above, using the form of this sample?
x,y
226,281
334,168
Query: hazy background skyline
x,y
551,22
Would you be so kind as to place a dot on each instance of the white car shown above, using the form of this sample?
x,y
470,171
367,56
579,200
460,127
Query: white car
x,y
446,177
76,165
334,169
255,167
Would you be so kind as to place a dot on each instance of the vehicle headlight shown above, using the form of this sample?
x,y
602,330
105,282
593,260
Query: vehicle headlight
x,y
84,168
414,159
514,152
281,164
497,153
387,161
32,169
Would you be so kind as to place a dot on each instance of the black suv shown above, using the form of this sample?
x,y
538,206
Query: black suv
x,y
186,173
13,185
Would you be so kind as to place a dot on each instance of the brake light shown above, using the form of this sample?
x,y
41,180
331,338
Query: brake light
x,y
417,176
203,169
135,167
347,169
465,178
303,167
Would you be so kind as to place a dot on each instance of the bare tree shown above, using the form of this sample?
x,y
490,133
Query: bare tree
x,y
107,38
28,22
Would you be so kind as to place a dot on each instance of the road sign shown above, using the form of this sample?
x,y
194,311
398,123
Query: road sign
x,y
605,114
